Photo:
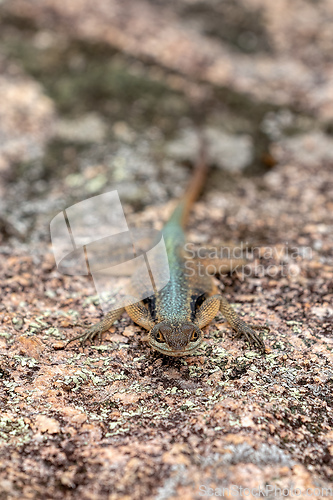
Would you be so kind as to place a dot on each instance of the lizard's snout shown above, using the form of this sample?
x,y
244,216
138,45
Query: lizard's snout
x,y
177,343
181,336
175,339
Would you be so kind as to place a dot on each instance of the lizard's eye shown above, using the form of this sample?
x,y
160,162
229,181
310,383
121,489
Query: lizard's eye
x,y
194,336
159,337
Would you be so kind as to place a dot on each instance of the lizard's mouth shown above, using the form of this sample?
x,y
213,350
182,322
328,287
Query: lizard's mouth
x,y
168,351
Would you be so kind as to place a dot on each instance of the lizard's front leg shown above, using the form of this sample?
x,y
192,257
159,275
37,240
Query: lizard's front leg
x,y
99,328
138,313
209,309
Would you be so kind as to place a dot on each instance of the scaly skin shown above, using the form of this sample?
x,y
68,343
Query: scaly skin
x,y
175,315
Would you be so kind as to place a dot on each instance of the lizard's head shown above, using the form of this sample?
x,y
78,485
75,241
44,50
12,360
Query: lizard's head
x,y
175,339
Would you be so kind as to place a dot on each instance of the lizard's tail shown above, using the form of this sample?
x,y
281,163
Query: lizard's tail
x,y
182,210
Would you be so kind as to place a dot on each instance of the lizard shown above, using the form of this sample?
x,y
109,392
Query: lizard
x,y
176,314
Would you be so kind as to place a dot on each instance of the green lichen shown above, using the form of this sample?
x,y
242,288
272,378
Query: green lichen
x,y
26,361
6,335
54,332
14,428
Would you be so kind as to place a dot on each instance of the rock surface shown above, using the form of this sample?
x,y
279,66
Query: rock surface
x,y
129,79
299,39
26,117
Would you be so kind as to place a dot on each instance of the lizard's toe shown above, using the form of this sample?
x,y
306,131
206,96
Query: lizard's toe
x,y
89,334
253,338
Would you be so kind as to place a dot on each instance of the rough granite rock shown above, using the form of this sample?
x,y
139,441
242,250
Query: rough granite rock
x,y
116,420
26,117
296,70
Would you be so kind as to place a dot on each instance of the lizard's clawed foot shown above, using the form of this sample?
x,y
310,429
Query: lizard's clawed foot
x,y
88,334
251,335
253,338
98,329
